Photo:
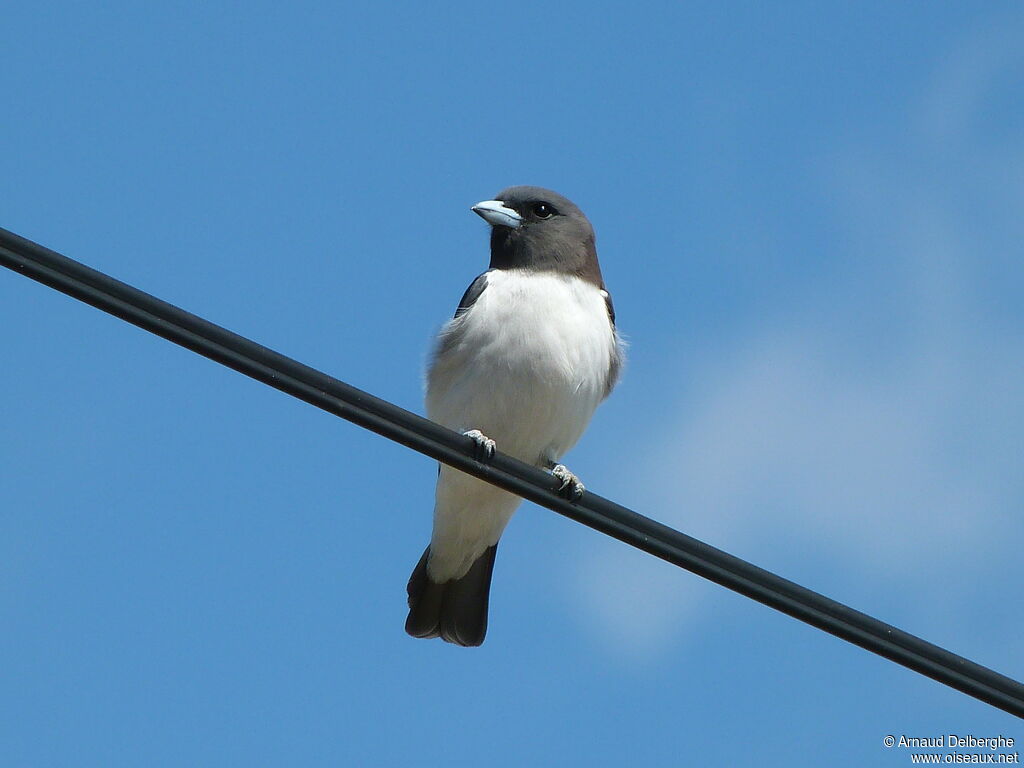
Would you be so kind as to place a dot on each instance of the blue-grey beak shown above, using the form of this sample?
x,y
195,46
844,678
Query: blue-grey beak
x,y
497,214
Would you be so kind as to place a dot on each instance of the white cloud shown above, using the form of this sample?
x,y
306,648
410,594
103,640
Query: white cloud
x,y
895,459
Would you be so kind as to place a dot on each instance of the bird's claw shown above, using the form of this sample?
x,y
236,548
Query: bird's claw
x,y
484,445
571,486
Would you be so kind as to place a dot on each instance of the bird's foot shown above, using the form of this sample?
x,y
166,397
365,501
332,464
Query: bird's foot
x,y
571,486
484,445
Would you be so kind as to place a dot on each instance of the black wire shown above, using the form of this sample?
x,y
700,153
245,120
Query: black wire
x,y
384,418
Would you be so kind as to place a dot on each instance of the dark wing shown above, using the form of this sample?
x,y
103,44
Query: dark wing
x,y
608,304
472,294
451,333
616,364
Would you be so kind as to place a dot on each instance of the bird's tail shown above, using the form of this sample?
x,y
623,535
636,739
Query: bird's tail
x,y
455,611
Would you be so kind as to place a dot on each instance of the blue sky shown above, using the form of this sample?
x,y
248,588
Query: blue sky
x,y
809,216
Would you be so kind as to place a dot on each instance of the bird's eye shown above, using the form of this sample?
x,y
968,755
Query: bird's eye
x,y
543,210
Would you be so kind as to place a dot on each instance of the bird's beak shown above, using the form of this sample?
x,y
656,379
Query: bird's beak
x,y
497,214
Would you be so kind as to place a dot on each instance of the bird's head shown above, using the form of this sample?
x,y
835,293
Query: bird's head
x,y
535,228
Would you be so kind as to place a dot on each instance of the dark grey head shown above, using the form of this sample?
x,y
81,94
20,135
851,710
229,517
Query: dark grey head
x,y
537,229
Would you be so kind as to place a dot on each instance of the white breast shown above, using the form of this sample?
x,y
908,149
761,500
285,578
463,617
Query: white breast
x,y
527,364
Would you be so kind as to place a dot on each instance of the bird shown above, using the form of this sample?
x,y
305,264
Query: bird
x,y
530,353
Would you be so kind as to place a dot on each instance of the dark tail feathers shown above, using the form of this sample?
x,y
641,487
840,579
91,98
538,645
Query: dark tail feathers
x,y
455,611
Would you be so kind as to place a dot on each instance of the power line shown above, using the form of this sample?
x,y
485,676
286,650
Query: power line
x,y
384,418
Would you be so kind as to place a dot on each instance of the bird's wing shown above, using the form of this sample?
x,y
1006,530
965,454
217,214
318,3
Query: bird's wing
x,y
608,305
472,294
615,364
453,331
